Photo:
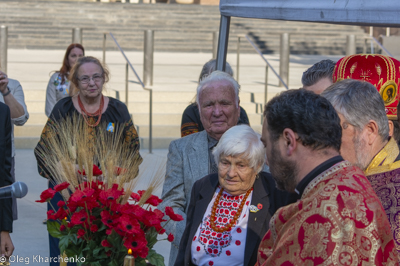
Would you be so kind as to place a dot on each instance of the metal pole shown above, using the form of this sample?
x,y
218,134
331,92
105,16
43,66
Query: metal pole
x,y
3,47
388,31
223,42
104,47
266,86
371,33
126,83
148,57
151,122
284,59
237,59
351,44
215,44
77,35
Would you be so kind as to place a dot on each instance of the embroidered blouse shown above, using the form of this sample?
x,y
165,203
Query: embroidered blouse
x,y
227,248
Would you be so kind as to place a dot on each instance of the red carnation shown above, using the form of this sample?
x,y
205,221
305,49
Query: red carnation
x,y
154,200
94,228
79,217
47,195
135,210
105,243
111,194
61,186
96,171
60,214
107,219
174,217
50,215
138,244
61,203
82,195
128,225
170,237
135,196
81,233
62,228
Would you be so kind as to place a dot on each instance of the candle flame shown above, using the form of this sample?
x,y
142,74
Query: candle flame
x,y
130,251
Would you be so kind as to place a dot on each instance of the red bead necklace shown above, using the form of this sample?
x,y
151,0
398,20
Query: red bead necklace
x,y
237,214
86,114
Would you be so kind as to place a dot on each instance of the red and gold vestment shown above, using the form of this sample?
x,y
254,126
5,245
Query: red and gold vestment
x,y
339,220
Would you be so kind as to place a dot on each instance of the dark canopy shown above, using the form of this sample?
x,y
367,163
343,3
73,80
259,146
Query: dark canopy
x,y
384,13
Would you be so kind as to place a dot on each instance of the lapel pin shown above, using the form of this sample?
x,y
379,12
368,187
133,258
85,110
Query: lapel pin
x,y
253,208
259,206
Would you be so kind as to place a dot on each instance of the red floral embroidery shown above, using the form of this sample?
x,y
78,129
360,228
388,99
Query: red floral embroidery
x,y
214,242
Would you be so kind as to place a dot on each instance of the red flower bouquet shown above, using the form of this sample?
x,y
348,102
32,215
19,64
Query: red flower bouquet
x,y
99,224
100,217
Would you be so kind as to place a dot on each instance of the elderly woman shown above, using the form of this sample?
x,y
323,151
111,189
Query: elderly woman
x,y
229,212
89,76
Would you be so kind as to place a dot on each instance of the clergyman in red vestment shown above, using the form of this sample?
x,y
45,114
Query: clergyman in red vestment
x,y
364,109
338,220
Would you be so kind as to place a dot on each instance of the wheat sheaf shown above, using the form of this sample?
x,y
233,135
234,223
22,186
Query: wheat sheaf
x,y
73,147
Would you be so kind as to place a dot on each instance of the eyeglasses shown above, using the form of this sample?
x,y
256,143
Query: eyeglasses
x,y
86,79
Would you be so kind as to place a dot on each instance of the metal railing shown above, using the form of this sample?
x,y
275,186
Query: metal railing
x,y
373,41
128,63
266,67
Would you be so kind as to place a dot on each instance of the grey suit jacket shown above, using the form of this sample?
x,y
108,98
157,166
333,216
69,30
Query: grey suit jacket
x,y
187,162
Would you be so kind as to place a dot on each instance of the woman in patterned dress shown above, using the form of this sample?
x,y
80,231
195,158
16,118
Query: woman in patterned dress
x,y
59,86
229,211
89,76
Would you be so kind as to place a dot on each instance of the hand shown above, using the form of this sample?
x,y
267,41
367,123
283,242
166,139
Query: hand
x,y
3,82
7,246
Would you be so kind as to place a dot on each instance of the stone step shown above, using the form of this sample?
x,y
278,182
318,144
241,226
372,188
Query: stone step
x,y
38,24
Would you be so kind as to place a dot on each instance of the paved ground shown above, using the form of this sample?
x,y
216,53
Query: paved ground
x,y
30,234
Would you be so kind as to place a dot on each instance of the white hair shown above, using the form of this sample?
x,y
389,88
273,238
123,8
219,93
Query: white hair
x,y
218,76
242,140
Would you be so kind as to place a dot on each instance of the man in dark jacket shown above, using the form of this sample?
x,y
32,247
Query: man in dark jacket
x,y
6,220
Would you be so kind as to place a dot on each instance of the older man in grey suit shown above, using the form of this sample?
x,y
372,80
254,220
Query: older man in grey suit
x,y
189,158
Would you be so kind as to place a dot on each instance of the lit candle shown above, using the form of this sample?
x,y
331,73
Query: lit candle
x,y
129,259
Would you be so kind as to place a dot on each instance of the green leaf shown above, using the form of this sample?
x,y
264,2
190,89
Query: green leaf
x,y
140,262
97,250
113,263
63,244
54,229
151,237
154,258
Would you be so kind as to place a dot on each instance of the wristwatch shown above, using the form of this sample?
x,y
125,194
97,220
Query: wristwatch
x,y
8,92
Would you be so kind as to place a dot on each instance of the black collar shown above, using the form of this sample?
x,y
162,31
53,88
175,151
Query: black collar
x,y
315,172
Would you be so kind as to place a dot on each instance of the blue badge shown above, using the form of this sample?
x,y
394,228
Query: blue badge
x,y
110,127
